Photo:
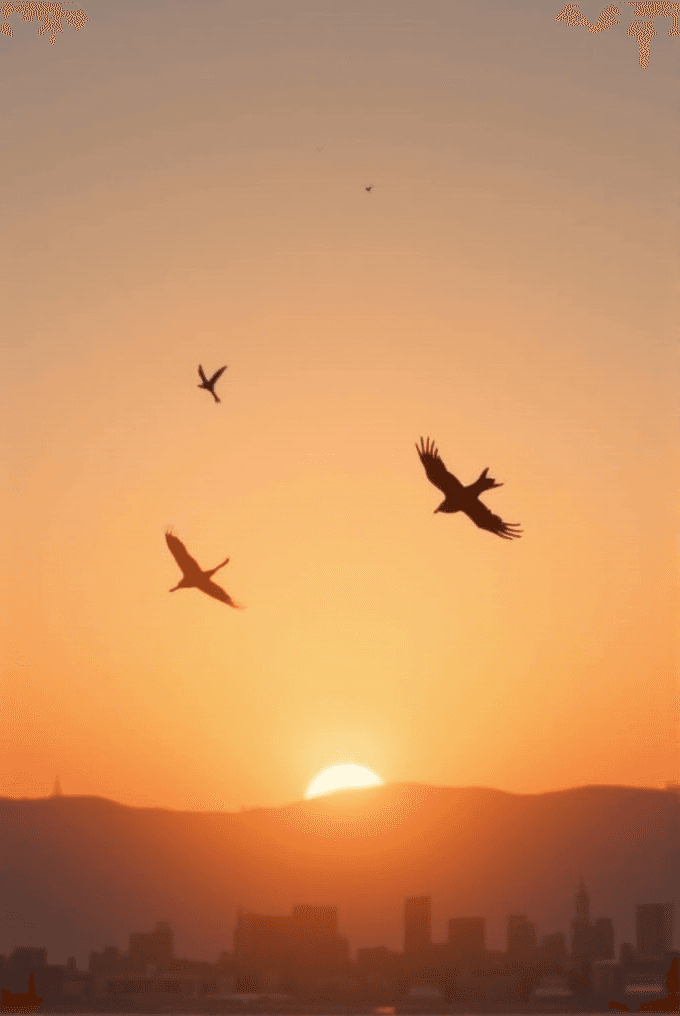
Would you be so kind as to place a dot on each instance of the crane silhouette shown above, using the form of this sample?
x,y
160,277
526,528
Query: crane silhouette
x,y
193,576
464,499
209,385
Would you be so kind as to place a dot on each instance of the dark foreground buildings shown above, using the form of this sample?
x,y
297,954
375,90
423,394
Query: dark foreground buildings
x,y
283,962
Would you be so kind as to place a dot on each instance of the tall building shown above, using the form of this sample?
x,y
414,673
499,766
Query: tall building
x,y
654,929
581,928
466,939
56,789
582,943
417,924
521,935
582,904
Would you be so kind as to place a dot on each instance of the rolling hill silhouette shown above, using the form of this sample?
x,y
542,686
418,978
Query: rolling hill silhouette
x,y
80,873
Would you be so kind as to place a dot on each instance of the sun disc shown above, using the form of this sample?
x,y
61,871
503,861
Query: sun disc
x,y
342,777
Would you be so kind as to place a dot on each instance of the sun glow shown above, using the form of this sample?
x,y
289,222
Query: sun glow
x,y
342,778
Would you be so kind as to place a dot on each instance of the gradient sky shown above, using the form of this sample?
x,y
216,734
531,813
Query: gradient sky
x,y
184,183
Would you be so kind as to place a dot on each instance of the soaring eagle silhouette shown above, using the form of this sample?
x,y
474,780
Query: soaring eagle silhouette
x,y
209,385
193,576
464,499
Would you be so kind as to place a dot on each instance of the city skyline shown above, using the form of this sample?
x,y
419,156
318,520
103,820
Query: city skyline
x,y
304,952
471,851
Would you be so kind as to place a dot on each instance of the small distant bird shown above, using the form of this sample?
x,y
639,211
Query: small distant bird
x,y
193,576
209,385
464,499
370,188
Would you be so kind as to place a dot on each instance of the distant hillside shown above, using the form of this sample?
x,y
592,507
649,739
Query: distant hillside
x,y
80,873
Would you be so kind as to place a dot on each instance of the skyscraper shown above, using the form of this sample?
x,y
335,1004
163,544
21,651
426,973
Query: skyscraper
x,y
417,923
582,942
581,928
654,929
582,904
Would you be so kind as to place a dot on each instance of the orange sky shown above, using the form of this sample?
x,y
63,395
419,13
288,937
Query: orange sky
x,y
185,183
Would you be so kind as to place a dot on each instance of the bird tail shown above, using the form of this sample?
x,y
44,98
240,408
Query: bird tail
x,y
483,482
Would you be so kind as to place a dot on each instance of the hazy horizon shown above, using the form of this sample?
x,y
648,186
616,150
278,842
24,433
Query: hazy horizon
x,y
669,787
473,850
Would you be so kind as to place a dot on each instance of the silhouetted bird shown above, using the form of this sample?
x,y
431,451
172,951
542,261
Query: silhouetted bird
x,y
464,499
195,577
209,385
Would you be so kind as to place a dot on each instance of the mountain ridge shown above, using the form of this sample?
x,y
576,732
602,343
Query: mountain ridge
x,y
78,873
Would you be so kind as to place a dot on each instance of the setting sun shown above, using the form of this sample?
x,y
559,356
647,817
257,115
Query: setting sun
x,y
342,778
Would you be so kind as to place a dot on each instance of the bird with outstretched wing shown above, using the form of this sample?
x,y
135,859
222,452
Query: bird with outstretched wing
x,y
466,499
193,575
209,383
436,471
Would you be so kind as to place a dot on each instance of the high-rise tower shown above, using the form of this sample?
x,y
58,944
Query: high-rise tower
x,y
654,929
582,904
582,941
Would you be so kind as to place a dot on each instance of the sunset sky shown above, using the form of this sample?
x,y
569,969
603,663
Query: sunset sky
x,y
185,183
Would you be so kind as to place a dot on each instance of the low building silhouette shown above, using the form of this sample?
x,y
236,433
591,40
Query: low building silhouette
x,y
467,941
288,951
24,1001
152,949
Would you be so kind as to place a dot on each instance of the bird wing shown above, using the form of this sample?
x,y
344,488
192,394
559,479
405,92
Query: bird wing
x,y
485,519
216,375
202,375
437,473
181,555
212,589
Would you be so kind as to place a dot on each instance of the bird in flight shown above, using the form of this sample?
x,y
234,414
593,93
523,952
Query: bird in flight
x,y
209,385
369,188
464,499
195,577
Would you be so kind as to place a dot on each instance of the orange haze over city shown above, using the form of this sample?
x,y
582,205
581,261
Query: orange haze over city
x,y
453,220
